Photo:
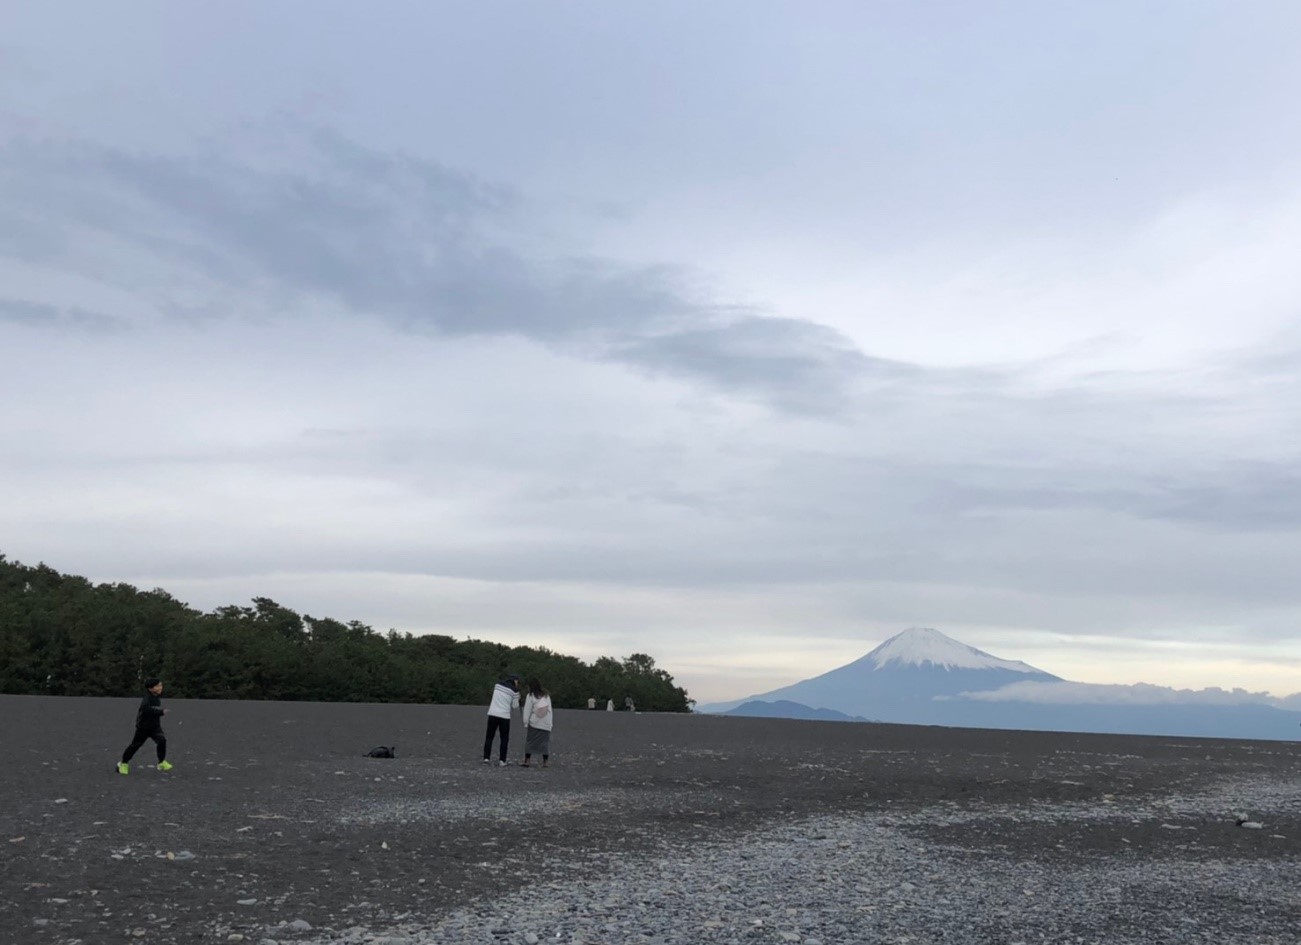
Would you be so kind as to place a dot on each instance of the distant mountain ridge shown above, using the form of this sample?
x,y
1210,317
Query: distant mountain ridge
x,y
923,677
784,709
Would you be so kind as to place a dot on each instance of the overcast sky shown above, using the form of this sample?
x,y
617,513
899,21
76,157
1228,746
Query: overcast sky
x,y
744,334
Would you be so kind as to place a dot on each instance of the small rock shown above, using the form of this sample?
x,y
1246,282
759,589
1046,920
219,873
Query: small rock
x,y
530,939
60,800
300,925
246,902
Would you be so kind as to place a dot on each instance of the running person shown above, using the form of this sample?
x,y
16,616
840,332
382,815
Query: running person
x,y
149,724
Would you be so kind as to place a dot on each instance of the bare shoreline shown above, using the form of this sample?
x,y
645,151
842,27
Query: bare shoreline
x,y
282,820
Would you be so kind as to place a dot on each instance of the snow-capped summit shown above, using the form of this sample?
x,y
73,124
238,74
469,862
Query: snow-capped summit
x,y
920,646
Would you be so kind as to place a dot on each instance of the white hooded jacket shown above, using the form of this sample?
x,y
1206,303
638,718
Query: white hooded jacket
x,y
537,712
504,699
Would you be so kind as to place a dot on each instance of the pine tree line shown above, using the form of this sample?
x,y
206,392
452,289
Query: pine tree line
x,y
63,635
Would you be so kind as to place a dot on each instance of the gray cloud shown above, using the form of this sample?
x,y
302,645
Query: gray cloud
x,y
1073,693
21,312
1233,496
801,365
404,239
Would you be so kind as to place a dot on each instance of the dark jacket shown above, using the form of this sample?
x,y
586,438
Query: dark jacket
x,y
149,717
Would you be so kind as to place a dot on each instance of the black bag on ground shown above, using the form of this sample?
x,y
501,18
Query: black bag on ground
x,y
382,751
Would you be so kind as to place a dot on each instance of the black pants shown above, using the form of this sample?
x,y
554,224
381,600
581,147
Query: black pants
x,y
495,723
143,735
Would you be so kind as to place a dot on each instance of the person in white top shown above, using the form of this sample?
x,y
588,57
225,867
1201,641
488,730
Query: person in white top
x,y
504,697
537,724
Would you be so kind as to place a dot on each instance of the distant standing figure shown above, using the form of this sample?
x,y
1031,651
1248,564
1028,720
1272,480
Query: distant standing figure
x,y
609,705
537,724
627,704
591,703
504,696
149,724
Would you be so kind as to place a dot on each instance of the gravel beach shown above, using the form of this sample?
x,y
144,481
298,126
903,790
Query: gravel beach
x,y
274,828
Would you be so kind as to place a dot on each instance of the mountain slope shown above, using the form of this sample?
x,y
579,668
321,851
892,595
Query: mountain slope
x,y
899,679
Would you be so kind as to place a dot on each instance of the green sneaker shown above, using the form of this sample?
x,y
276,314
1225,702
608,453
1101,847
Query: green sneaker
x,y
164,766
123,768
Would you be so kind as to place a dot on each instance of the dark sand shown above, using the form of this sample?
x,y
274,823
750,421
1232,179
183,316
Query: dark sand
x,y
277,803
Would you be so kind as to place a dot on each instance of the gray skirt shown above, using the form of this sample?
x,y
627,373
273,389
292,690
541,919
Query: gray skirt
x,y
537,741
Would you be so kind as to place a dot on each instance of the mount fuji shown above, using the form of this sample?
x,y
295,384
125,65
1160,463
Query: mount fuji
x,y
908,678
922,677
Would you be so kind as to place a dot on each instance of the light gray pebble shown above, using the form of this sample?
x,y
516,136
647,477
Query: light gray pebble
x,y
846,878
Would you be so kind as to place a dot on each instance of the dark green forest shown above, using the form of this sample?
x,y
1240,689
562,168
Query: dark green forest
x,y
64,635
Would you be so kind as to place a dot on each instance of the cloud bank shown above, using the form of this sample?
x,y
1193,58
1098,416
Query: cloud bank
x,y
1074,693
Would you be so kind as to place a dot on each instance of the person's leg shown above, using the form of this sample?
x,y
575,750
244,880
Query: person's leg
x,y
546,759
139,739
505,738
160,743
487,739
525,762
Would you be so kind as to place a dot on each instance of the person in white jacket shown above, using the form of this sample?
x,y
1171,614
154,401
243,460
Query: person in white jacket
x,y
537,724
504,697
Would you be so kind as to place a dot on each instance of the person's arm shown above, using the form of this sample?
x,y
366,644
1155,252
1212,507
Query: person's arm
x,y
152,707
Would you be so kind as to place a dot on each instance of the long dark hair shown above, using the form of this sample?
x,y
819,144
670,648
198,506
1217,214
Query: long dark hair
x,y
535,687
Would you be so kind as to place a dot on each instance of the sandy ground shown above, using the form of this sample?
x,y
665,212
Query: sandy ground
x,y
273,814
